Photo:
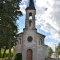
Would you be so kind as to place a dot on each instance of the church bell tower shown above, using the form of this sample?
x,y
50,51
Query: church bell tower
x,y
30,16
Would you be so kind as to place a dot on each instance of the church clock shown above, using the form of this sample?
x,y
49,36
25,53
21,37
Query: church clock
x,y
29,38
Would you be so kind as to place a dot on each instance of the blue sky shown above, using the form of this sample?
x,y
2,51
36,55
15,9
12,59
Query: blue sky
x,y
47,19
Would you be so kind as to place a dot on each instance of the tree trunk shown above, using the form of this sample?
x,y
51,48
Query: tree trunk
x,y
9,58
9,54
0,52
4,52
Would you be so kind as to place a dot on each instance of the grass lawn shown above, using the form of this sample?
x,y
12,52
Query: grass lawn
x,y
5,59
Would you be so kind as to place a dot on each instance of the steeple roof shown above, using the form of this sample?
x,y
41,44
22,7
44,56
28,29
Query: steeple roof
x,y
31,5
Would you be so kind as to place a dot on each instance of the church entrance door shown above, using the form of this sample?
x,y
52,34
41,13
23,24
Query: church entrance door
x,y
29,54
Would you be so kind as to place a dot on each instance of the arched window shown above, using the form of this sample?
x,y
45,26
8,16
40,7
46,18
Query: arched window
x,y
40,41
30,16
30,23
20,40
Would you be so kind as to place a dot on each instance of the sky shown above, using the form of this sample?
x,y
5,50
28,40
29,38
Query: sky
x,y
47,20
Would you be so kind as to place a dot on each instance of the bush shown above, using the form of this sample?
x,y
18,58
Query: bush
x,y
18,56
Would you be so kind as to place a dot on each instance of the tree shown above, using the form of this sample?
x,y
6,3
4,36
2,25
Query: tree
x,y
50,51
58,50
8,16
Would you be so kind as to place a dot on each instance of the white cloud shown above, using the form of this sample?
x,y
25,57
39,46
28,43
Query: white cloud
x,y
49,18
22,8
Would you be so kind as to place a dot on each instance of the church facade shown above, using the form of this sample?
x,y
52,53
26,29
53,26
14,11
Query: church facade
x,y
31,43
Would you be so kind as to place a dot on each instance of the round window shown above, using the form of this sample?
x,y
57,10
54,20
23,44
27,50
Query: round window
x,y
29,38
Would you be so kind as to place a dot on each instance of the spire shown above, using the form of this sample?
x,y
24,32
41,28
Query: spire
x,y
31,5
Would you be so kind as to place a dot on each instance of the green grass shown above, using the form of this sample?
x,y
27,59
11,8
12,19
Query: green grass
x,y
5,59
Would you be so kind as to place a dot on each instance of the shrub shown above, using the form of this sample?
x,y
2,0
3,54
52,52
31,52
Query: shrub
x,y
18,56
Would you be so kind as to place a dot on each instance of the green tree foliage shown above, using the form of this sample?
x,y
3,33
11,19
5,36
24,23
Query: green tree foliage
x,y
58,50
8,16
50,51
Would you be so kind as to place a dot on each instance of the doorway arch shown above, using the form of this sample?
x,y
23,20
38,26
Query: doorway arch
x,y
29,54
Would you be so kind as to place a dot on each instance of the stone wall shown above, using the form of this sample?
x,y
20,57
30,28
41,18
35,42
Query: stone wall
x,y
52,58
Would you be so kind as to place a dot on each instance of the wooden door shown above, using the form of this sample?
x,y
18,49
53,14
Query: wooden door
x,y
29,54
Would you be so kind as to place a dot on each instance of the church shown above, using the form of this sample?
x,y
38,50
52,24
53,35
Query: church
x,y
31,43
